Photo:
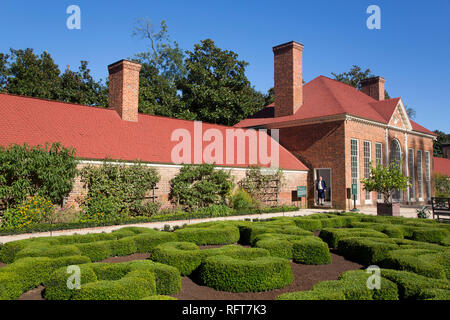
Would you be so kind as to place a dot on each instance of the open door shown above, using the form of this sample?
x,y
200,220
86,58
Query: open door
x,y
325,173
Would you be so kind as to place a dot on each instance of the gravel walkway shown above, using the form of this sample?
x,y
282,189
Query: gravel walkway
x,y
406,212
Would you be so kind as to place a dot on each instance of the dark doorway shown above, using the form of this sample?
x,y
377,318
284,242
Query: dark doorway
x,y
325,173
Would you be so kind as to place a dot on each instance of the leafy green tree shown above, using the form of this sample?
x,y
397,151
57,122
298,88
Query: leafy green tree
x,y
162,65
32,75
386,180
80,87
46,171
437,144
199,186
216,89
25,73
354,77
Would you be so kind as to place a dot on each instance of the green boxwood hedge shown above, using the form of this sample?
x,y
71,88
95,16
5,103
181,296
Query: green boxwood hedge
x,y
332,235
116,281
237,275
212,235
310,251
28,273
366,251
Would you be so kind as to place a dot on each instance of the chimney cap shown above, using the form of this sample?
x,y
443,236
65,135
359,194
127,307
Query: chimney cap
x,y
123,61
372,80
288,45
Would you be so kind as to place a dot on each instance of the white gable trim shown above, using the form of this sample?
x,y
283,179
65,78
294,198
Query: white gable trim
x,y
404,115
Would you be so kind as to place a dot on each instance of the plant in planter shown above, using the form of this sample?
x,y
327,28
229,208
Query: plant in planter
x,y
385,180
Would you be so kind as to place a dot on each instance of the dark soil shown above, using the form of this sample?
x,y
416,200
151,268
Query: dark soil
x,y
34,294
131,257
305,276
2,264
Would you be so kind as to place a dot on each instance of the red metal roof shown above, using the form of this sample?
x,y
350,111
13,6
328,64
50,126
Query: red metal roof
x,y
324,97
97,133
441,165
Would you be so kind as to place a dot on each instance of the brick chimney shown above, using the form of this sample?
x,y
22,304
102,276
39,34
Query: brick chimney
x,y
373,87
124,89
288,78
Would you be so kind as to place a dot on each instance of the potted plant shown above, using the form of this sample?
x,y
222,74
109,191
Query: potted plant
x,y
385,180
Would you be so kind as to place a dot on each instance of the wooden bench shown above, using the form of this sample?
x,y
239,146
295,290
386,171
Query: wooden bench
x,y
441,207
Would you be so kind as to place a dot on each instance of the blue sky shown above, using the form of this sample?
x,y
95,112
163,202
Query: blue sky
x,y
411,50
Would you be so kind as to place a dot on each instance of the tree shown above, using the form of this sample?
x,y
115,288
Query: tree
x,y
385,180
162,66
442,137
216,89
25,73
355,76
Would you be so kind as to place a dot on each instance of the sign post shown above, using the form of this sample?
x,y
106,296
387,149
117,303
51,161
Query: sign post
x,y
301,192
354,192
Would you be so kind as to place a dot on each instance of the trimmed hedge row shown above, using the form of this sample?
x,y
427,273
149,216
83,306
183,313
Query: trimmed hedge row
x,y
331,235
414,286
351,285
28,273
250,232
221,234
311,251
187,257
116,281
227,273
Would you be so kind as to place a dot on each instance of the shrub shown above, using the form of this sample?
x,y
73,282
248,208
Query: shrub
x,y
241,200
47,171
236,275
388,290
415,260
30,272
44,250
366,251
10,286
199,186
251,231
96,251
147,241
100,207
411,285
308,224
311,251
434,235
105,281
185,256
332,236
115,188
277,247
212,235
215,210
135,286
260,185
32,211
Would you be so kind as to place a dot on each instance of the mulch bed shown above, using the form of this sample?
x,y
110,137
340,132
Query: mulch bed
x,y
305,276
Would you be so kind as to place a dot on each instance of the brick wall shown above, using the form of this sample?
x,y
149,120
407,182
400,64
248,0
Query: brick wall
x,y
319,146
292,179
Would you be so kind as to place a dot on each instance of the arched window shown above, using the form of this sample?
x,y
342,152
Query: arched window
x,y
396,156
396,153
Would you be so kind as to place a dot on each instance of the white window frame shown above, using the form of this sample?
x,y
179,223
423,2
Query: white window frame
x,y
379,146
367,160
358,196
428,173
412,189
420,174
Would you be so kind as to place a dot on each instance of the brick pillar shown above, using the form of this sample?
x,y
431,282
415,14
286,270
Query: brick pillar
x,y
288,78
373,87
124,89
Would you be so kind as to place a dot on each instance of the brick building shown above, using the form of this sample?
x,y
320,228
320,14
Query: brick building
x,y
337,131
121,133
